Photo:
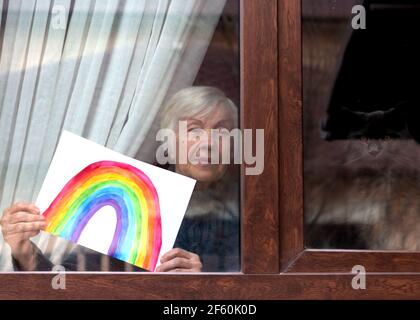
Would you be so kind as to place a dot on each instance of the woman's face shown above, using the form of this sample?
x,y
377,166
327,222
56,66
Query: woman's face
x,y
200,145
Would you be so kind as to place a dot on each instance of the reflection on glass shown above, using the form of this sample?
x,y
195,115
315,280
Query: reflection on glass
x,y
361,129
116,72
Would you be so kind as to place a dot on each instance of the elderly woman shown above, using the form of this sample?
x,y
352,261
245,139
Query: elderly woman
x,y
208,239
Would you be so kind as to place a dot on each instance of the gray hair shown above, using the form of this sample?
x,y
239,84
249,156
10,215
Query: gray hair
x,y
192,101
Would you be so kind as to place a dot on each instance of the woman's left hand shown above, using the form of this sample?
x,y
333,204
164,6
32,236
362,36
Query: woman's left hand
x,y
179,260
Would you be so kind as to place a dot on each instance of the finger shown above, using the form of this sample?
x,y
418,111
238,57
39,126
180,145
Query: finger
x,y
173,264
198,266
25,217
2,221
23,227
174,253
23,206
183,270
31,233
195,268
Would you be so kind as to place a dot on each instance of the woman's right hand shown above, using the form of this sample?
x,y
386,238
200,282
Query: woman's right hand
x,y
19,223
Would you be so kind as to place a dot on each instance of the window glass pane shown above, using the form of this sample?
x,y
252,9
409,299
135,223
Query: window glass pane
x,y
361,142
120,74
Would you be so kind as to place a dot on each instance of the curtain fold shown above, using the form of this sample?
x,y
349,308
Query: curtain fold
x,y
104,75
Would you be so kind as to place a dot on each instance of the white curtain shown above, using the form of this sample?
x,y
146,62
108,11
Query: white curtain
x,y
100,69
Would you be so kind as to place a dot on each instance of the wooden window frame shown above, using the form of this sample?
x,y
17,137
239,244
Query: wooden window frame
x,y
275,263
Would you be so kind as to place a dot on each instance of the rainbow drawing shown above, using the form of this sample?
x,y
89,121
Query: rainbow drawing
x,y
138,233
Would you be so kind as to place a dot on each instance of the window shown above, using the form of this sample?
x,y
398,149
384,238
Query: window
x,y
116,73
